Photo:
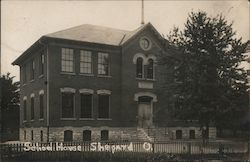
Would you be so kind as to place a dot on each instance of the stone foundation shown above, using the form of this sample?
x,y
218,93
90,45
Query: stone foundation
x,y
56,134
37,135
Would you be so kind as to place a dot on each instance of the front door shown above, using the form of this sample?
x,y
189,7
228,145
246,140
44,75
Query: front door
x,y
144,114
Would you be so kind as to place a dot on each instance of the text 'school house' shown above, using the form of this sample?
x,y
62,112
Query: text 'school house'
x,y
96,83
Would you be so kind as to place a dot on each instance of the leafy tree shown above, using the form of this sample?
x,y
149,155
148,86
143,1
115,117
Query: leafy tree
x,y
210,86
9,90
9,104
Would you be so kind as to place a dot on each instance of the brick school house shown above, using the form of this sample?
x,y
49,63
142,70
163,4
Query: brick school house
x,y
94,83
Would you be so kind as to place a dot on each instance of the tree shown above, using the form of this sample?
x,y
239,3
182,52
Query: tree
x,y
209,84
9,104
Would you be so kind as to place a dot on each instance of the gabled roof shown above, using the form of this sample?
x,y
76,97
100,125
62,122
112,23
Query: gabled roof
x,y
92,34
96,34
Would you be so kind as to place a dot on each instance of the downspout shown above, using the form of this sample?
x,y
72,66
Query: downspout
x,y
47,81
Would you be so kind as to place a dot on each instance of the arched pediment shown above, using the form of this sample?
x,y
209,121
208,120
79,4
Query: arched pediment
x,y
136,56
68,90
149,94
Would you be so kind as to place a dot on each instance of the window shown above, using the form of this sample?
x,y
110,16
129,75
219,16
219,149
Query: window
x,y
32,108
41,104
41,136
32,73
103,64
24,74
67,105
42,64
24,109
86,135
86,105
145,43
68,136
24,134
178,134
32,135
85,62
67,64
103,106
192,134
139,67
150,69
104,135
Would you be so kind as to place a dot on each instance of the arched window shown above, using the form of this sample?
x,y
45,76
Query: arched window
x,y
150,69
139,67
68,136
86,135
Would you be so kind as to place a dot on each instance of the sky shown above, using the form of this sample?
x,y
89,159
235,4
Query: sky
x,y
24,21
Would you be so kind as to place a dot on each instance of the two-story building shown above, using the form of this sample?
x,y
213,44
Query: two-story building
x,y
94,83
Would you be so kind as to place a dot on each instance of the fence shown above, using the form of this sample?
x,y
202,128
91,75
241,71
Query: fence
x,y
167,150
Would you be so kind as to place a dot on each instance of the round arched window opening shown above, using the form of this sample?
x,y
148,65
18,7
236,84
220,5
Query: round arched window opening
x,y
145,43
150,69
139,67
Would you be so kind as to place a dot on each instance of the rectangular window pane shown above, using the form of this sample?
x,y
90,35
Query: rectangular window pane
x,y
67,60
32,68
67,105
24,74
41,106
103,64
24,110
86,106
41,64
103,106
32,108
85,62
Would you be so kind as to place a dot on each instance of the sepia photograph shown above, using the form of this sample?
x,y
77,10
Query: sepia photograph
x,y
125,81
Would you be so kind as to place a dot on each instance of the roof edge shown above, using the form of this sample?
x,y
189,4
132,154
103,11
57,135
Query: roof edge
x,y
29,50
140,30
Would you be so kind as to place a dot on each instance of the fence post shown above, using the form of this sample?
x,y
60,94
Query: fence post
x,y
189,148
153,147
248,147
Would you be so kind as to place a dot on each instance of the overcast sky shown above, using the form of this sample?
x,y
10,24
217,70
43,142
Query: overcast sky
x,y
23,22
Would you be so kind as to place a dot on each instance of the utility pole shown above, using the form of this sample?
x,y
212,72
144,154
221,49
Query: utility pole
x,y
142,12
1,83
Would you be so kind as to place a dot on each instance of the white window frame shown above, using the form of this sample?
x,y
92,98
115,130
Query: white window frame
x,y
104,92
65,60
82,61
99,54
91,92
73,91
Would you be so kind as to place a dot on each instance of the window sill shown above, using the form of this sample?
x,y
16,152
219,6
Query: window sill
x,y
68,118
41,76
32,80
104,119
24,84
145,79
41,119
86,119
104,76
25,121
32,120
67,73
90,75
150,79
